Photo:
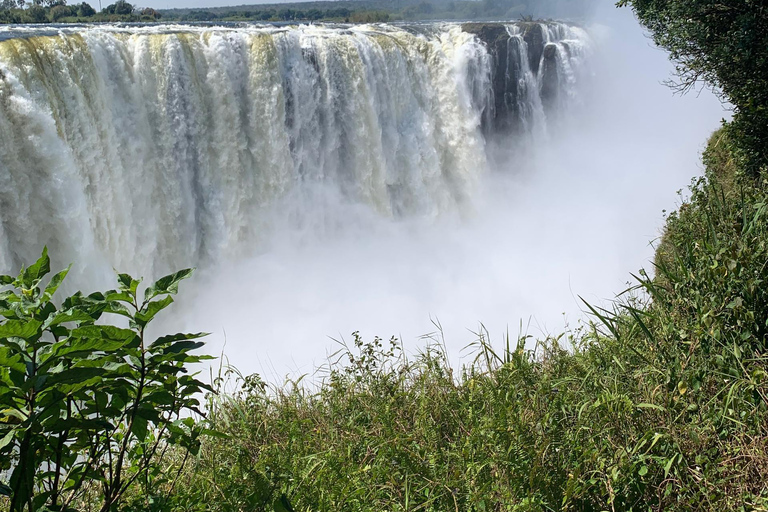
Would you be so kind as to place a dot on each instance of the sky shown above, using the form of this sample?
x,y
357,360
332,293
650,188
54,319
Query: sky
x,y
572,222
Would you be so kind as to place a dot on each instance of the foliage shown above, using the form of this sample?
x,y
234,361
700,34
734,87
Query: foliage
x,y
87,407
119,7
662,404
724,43
85,10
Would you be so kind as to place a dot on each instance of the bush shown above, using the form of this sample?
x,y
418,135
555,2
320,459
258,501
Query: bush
x,y
88,408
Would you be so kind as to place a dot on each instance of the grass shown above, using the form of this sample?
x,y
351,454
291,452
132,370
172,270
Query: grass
x,y
660,404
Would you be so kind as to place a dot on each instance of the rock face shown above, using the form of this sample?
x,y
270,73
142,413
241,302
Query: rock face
x,y
528,60
550,78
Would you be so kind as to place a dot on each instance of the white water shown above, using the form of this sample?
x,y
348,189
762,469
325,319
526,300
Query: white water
x,y
149,149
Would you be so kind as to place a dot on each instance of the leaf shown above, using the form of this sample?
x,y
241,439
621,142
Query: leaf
x,y
282,505
183,346
55,282
180,336
6,440
34,272
668,466
5,490
149,311
70,315
650,406
168,284
643,471
103,332
20,328
127,283
75,375
139,428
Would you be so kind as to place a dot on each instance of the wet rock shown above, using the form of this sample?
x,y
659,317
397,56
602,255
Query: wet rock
x,y
550,80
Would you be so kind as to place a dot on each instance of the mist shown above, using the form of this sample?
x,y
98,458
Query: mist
x,y
571,219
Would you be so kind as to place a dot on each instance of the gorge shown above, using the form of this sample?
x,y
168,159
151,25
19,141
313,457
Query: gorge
x,y
355,177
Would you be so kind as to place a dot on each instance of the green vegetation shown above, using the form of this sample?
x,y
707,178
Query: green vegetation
x,y
362,11
367,11
57,11
88,409
348,11
662,404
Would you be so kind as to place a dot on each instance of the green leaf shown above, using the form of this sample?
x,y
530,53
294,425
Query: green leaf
x,y
70,315
127,283
75,375
668,466
103,332
140,427
31,275
55,282
282,505
650,406
180,336
168,284
7,438
20,328
149,311
5,490
643,471
183,346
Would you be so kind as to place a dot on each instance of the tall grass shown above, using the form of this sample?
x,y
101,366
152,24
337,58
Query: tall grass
x,y
660,404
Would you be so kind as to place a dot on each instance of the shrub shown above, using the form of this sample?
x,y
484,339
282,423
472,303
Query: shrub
x,y
88,408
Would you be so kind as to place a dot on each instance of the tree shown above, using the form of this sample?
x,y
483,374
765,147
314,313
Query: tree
x,y
286,14
36,14
725,44
87,406
62,11
84,10
150,13
121,7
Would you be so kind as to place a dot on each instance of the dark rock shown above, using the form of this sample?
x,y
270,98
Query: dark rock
x,y
534,37
550,80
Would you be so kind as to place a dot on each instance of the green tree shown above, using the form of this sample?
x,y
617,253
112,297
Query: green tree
x,y
725,43
87,406
62,11
121,7
84,10
35,14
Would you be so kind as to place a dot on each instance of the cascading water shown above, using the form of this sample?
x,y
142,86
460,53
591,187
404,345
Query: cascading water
x,y
149,149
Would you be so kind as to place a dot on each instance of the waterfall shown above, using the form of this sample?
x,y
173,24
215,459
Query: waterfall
x,y
151,148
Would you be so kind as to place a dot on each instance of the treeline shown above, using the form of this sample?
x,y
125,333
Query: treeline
x,y
374,11
347,11
385,10
341,14
57,11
